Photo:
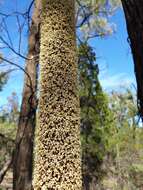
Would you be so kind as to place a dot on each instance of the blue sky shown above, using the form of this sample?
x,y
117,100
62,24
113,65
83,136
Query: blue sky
x,y
115,58
113,52
15,82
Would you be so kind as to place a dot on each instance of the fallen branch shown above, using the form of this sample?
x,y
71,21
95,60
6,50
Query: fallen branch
x,y
5,169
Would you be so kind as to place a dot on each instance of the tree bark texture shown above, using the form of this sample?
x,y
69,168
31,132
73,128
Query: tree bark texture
x,y
58,150
22,162
133,10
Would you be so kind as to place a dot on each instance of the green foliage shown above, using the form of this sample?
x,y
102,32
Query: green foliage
x,y
110,134
3,79
8,120
10,111
8,128
3,76
93,17
125,145
7,137
13,105
96,119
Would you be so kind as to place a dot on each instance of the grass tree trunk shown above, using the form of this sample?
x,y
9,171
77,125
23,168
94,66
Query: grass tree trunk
x,y
22,162
57,152
133,10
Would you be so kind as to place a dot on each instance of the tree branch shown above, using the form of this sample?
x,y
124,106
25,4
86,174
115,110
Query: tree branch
x,y
5,169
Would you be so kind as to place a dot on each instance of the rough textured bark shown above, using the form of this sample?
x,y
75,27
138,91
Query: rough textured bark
x,y
22,164
58,157
133,10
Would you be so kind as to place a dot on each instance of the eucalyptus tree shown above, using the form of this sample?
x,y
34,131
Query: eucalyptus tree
x,y
93,17
22,159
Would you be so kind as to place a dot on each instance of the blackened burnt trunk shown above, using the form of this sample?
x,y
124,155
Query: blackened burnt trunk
x,y
133,10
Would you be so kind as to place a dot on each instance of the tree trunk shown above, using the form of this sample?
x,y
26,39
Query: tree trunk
x,y
133,10
22,164
58,151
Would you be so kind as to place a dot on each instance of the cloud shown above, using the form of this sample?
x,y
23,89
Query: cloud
x,y
116,81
